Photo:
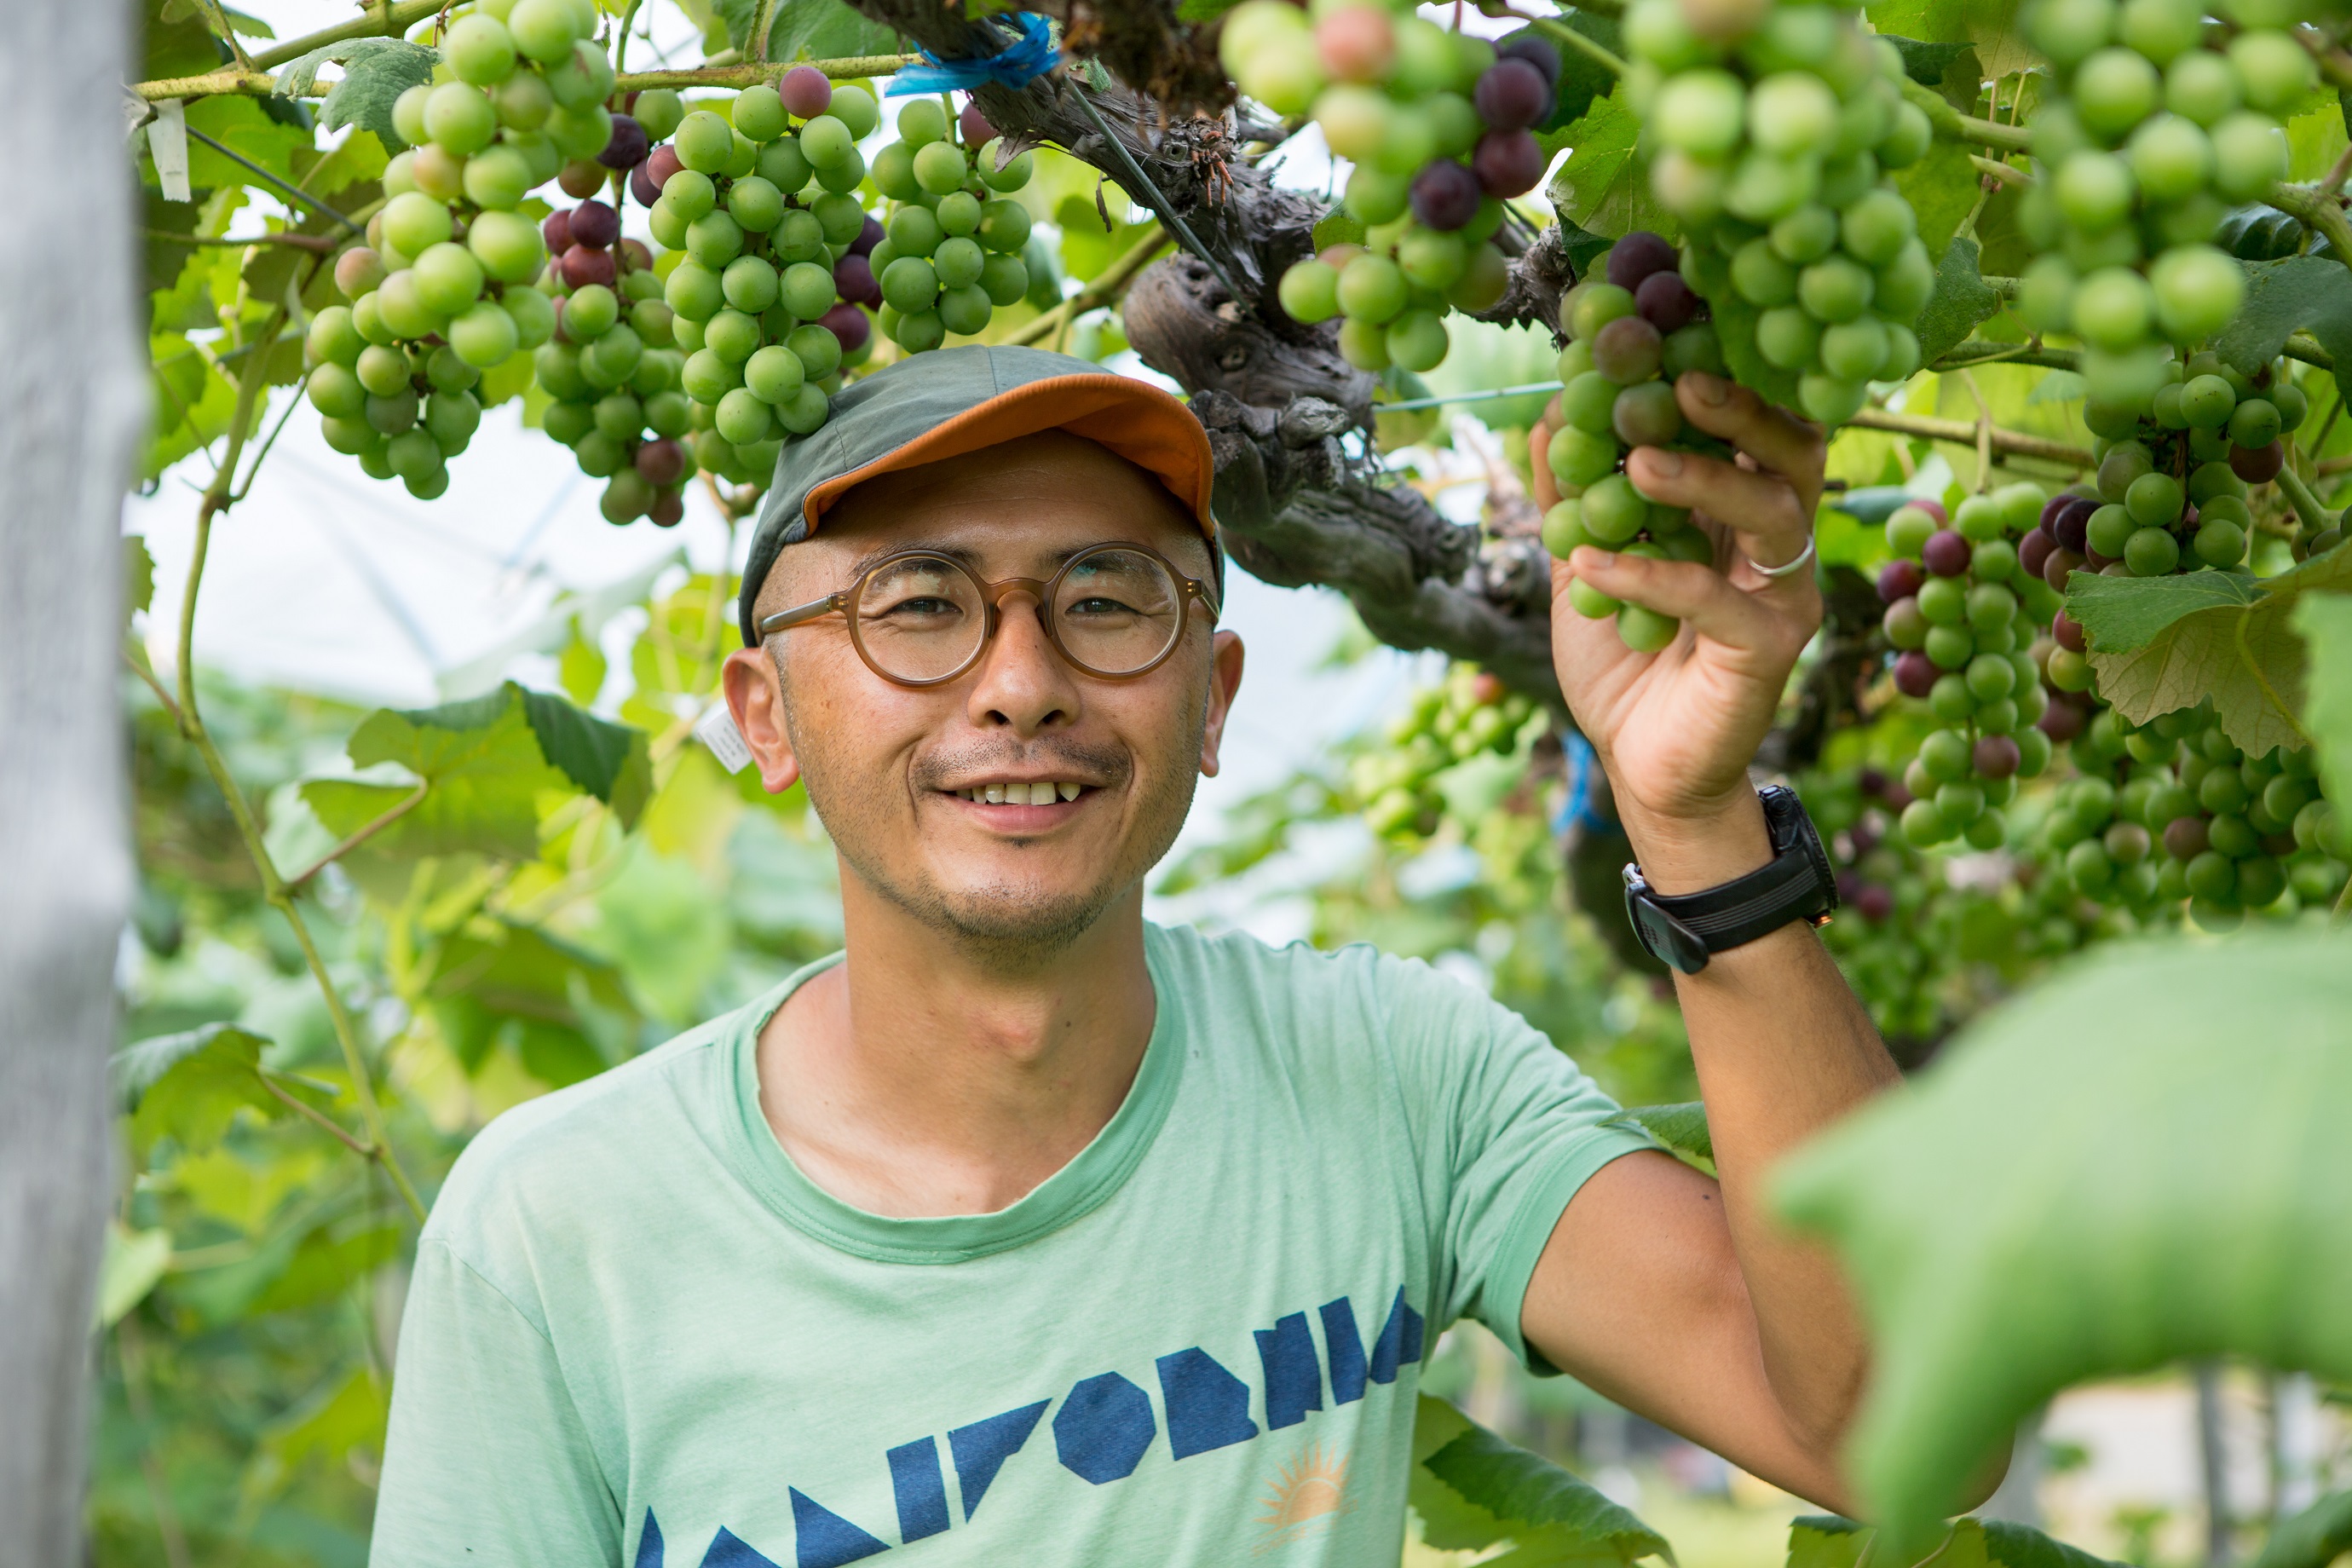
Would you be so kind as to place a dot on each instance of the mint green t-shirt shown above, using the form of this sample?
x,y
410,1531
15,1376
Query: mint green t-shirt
x,y
638,1336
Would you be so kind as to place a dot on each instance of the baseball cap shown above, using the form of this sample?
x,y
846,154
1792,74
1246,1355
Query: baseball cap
x,y
947,402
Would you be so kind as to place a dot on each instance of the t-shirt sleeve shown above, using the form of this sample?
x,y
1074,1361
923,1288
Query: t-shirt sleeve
x,y
1508,1129
488,1460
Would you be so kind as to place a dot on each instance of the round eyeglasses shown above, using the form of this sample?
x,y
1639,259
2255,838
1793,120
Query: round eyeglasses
x,y
920,619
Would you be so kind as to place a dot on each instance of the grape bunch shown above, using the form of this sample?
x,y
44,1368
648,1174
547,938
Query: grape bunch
x,y
1630,332
1958,602
766,218
2150,132
614,368
1439,127
1770,129
2171,489
2229,832
950,251
443,289
1471,711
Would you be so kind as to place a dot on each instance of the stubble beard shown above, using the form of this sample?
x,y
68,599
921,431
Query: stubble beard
x,y
1011,925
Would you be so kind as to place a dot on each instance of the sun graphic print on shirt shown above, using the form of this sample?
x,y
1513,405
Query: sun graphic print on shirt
x,y
1303,1498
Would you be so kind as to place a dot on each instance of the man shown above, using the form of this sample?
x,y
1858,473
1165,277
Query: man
x,y
1029,1233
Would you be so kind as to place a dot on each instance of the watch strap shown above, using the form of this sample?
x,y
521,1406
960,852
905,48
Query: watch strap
x,y
1684,929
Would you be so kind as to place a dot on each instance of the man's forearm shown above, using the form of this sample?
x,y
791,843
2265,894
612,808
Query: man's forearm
x,y
1782,1048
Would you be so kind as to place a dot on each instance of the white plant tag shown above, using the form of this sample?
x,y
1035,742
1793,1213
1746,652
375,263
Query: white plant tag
x,y
167,138
716,729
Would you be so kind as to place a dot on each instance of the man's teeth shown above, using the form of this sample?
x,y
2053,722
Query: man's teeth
x,y
1021,794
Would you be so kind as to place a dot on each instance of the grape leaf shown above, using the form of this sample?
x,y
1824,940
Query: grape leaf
x,y
138,575
1604,186
188,1087
2015,1545
1825,1540
135,1259
824,30
2312,1538
373,78
2249,660
1551,1514
499,978
485,762
2120,613
240,125
1681,1128
1941,188
1951,68
2295,293
1961,300
2089,1182
2326,622
348,1414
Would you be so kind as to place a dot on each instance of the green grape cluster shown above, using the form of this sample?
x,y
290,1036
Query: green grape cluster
x,y
1770,130
2229,832
1630,332
1438,128
442,290
614,371
954,239
2154,126
1959,604
1469,712
756,217
2171,489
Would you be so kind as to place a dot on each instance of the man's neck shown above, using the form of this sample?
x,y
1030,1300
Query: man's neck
x,y
919,1077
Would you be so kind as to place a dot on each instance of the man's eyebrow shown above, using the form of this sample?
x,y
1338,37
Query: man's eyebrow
x,y
962,554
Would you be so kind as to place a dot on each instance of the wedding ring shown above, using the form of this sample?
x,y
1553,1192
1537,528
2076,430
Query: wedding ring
x,y
1805,559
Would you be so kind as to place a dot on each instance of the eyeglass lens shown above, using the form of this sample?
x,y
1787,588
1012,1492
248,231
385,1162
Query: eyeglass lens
x,y
923,617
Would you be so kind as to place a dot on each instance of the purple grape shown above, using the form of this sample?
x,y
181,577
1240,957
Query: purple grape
x,y
2066,632
583,267
2063,719
556,230
1898,579
1874,903
1635,258
1626,351
1646,414
629,145
1445,194
2033,550
661,462
1537,52
1915,674
2052,507
868,236
1508,163
1995,757
661,164
595,225
2072,529
1665,301
642,186
2186,838
853,275
1947,553
973,126
1512,95
2257,465
807,93
848,324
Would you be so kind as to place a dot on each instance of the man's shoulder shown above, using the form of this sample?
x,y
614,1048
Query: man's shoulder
x,y
574,1147
1357,984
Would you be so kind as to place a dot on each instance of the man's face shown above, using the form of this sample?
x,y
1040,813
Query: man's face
x,y
891,769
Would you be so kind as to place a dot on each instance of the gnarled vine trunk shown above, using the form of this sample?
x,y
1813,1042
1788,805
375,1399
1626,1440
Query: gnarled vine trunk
x,y
69,407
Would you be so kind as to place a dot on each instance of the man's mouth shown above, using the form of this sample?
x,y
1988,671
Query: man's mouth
x,y
1021,791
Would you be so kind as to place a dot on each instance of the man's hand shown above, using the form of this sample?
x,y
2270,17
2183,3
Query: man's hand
x,y
1676,729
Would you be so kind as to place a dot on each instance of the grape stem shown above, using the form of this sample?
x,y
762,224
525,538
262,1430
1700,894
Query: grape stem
x,y
1965,433
2007,173
1953,126
379,20
218,497
2314,206
847,68
1981,350
294,191
764,22
2306,505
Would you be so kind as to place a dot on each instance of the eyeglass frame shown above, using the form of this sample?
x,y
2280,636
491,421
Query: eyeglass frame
x,y
993,594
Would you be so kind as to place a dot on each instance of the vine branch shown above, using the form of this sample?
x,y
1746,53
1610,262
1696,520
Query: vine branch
x,y
1971,432
2318,210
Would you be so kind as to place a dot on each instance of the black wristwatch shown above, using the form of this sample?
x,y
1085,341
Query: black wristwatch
x,y
1798,885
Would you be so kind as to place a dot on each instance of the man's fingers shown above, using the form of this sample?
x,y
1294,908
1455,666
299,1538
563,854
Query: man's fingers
x,y
1773,436
1763,509
1685,590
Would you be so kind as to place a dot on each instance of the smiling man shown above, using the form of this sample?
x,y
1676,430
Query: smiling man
x,y
1025,1231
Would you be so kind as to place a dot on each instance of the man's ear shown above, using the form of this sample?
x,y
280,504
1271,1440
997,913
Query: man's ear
x,y
1224,681
755,696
